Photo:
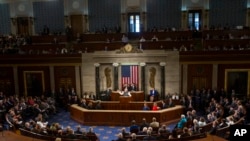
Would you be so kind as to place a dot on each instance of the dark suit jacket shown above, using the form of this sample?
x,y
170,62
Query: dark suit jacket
x,y
153,93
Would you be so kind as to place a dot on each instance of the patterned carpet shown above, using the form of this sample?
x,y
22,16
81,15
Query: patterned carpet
x,y
105,133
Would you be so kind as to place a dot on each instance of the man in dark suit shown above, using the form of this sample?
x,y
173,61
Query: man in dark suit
x,y
132,87
153,95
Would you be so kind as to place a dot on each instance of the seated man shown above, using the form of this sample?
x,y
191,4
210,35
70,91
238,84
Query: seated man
x,y
132,87
134,128
153,94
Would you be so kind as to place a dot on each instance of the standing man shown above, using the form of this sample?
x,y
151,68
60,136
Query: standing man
x,y
132,87
153,95
69,33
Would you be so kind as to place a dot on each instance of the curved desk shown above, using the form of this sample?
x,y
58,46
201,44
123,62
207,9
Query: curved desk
x,y
122,117
135,96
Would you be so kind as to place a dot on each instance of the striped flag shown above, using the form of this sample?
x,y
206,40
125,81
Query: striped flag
x,y
130,74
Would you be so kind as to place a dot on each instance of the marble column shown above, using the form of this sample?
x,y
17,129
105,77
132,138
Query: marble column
x,y
78,81
115,76
52,80
97,80
143,79
15,71
162,64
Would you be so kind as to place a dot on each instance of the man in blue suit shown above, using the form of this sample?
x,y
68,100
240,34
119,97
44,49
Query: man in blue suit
x,y
153,94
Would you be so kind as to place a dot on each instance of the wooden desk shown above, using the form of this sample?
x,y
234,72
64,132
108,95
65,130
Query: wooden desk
x,y
125,99
136,96
122,117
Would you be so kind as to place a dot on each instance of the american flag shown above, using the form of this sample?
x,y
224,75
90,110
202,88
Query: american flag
x,y
129,74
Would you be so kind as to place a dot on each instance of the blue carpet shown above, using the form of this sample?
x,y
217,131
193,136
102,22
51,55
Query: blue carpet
x,y
105,133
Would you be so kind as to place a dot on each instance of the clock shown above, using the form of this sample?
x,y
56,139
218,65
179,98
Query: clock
x,y
128,48
75,4
21,7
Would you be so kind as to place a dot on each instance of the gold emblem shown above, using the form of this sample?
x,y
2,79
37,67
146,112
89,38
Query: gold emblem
x,y
128,48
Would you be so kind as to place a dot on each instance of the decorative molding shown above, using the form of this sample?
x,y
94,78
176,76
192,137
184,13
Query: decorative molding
x,y
142,64
128,48
96,64
162,63
115,64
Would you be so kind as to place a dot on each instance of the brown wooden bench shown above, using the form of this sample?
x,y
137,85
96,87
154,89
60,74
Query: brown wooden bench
x,y
180,35
166,45
48,38
101,37
46,137
229,43
192,137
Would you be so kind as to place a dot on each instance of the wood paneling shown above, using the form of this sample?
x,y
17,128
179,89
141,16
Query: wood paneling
x,y
46,78
48,38
136,96
122,117
7,80
199,76
222,69
64,77
77,24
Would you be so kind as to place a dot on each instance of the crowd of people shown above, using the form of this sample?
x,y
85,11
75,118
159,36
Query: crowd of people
x,y
202,107
32,113
218,109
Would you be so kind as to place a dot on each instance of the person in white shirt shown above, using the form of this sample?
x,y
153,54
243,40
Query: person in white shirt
x,y
142,39
154,39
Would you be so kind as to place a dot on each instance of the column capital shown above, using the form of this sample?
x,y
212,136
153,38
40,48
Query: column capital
x,y
142,64
162,63
115,64
96,64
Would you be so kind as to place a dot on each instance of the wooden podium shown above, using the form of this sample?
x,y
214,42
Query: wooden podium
x,y
135,96
125,99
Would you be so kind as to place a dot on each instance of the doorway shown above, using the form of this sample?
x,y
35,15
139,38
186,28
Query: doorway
x,y
237,81
23,25
134,25
194,19
76,24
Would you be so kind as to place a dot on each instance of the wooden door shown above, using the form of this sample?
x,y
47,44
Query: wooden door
x,y
23,25
77,24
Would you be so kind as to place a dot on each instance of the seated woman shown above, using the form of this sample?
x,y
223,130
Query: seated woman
x,y
155,107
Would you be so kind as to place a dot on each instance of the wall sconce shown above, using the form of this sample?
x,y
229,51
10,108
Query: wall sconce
x,y
86,18
124,16
13,21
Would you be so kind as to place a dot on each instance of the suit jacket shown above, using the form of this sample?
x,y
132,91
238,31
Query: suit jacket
x,y
153,93
132,88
